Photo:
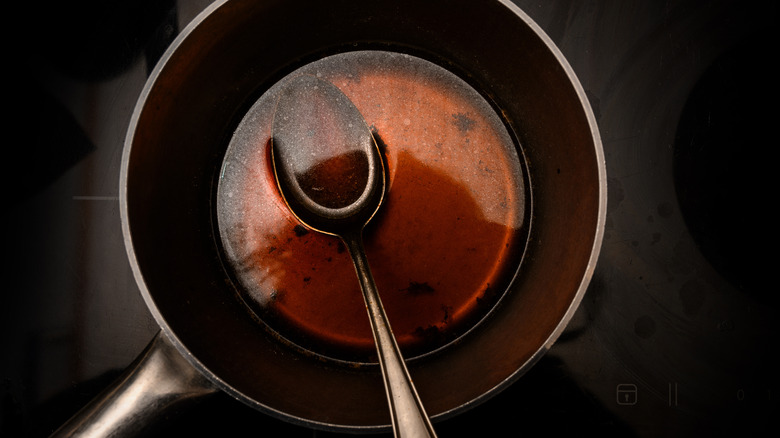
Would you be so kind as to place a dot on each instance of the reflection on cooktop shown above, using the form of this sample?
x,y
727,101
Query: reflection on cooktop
x,y
673,338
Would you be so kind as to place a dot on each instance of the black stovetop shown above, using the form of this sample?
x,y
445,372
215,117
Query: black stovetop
x,y
674,336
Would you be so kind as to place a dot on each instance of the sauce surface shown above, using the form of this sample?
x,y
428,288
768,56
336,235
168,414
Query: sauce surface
x,y
444,245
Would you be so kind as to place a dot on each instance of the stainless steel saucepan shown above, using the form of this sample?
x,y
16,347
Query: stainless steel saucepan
x,y
175,144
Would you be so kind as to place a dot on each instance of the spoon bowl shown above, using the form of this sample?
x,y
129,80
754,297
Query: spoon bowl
x,y
330,174
326,163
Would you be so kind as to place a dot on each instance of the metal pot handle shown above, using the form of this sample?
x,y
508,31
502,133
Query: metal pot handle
x,y
158,380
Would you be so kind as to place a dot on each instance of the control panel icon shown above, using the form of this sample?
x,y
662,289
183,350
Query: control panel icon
x,y
626,394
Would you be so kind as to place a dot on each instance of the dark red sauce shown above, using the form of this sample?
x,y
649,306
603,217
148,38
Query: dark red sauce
x,y
337,181
444,245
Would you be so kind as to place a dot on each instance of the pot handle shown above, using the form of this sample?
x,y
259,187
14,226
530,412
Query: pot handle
x,y
158,380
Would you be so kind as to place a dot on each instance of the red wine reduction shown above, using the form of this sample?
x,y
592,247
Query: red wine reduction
x,y
444,245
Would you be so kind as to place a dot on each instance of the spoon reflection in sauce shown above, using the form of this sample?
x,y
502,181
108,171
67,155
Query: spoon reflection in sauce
x,y
331,176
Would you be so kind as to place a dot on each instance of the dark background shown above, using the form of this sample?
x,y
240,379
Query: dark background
x,y
676,335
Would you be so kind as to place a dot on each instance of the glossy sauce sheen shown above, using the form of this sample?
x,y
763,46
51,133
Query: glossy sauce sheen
x,y
444,245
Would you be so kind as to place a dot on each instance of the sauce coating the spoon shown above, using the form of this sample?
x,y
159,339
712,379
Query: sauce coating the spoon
x,y
443,247
336,182
320,142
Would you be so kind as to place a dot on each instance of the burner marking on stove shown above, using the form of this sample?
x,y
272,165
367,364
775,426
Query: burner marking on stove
x,y
626,394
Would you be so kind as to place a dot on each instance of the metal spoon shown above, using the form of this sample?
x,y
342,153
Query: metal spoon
x,y
331,176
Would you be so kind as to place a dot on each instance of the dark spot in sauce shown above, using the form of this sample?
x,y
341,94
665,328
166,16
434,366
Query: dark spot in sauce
x,y
416,288
488,295
431,334
447,312
463,122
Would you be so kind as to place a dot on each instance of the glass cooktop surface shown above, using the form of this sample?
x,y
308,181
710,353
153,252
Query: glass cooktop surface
x,y
676,335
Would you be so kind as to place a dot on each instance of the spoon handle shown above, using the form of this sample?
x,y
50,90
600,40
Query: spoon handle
x,y
406,410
